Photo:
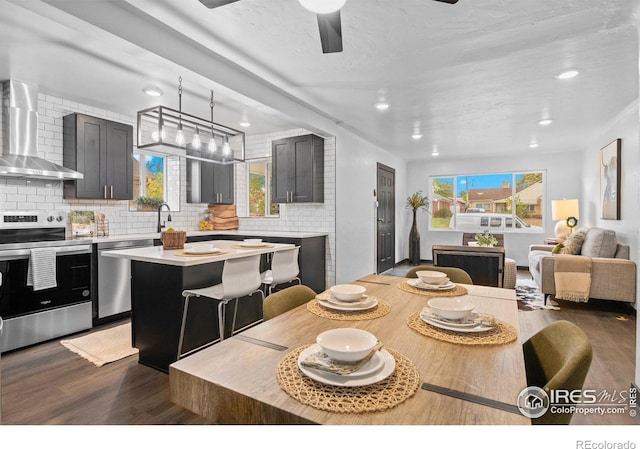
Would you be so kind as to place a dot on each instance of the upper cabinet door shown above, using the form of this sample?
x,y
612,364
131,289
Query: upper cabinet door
x,y
119,159
209,183
223,182
298,169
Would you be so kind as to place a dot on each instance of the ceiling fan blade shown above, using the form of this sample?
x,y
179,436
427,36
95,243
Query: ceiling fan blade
x,y
330,32
451,2
216,3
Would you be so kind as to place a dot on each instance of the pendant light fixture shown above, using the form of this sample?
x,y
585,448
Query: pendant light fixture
x,y
180,133
212,147
171,132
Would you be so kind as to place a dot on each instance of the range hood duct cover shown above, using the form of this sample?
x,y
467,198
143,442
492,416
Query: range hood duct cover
x,y
20,141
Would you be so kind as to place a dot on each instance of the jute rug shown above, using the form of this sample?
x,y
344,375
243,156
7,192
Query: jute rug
x,y
103,347
530,297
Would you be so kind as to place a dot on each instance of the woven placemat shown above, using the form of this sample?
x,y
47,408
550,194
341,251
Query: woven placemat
x,y
252,247
378,311
383,395
212,253
458,290
502,334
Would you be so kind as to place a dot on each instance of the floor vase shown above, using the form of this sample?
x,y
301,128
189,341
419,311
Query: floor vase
x,y
414,243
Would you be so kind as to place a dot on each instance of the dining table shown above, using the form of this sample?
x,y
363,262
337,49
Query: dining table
x,y
447,378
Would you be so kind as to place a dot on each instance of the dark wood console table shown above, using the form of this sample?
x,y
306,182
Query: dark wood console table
x,y
485,265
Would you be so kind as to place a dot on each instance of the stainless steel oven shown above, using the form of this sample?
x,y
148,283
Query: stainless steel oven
x,y
31,316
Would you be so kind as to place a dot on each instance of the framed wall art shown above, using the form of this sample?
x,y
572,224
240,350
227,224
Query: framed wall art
x,y
610,180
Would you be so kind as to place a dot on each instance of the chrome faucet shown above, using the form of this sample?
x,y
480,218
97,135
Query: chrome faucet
x,y
160,226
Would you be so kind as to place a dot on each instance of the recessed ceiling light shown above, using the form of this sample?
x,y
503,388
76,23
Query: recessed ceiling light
x,y
153,91
567,74
545,122
245,124
416,136
533,145
435,152
382,106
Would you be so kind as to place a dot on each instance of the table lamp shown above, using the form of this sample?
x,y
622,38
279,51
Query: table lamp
x,y
568,213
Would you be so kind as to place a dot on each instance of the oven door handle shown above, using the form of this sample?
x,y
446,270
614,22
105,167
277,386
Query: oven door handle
x,y
14,254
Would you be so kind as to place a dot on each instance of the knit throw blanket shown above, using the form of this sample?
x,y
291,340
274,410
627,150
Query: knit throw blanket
x,y
572,277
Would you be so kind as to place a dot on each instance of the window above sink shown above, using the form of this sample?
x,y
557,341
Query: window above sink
x,y
156,180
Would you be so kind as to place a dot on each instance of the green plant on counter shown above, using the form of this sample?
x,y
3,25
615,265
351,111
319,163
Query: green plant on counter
x,y
486,239
150,201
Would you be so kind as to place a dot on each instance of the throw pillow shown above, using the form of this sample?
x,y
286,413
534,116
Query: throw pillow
x,y
573,244
556,249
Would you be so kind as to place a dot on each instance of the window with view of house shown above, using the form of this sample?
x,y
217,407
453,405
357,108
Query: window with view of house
x,y
259,179
505,202
155,181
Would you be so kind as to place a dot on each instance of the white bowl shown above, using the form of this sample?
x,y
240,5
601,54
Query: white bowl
x,y
347,344
451,308
253,241
347,292
433,277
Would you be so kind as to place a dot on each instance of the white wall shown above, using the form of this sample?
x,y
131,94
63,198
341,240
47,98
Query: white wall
x,y
356,180
563,174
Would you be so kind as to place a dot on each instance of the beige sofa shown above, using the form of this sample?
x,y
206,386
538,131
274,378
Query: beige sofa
x,y
613,275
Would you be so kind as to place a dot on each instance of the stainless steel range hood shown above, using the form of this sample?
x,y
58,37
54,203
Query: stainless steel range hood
x,y
20,130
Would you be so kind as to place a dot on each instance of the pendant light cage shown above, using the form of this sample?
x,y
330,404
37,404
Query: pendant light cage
x,y
159,128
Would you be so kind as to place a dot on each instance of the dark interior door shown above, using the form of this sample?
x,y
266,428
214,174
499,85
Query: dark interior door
x,y
386,218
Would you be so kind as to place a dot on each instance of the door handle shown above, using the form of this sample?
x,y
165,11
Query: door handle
x,y
381,220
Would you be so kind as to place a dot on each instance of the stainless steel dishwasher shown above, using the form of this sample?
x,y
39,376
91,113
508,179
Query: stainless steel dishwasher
x,y
114,278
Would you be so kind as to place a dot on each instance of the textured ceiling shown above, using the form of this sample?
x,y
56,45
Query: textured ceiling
x,y
473,78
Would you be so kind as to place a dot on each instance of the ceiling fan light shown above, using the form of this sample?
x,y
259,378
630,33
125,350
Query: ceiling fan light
x,y
322,6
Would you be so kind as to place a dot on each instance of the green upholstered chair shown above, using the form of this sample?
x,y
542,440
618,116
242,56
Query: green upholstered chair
x,y
557,357
457,275
285,300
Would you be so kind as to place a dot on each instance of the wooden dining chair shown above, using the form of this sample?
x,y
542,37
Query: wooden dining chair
x,y
557,357
240,277
285,300
457,275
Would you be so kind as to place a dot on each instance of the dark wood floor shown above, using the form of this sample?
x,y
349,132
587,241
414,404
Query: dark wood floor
x,y
48,384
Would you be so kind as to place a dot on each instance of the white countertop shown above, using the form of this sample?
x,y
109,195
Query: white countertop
x,y
155,235
156,254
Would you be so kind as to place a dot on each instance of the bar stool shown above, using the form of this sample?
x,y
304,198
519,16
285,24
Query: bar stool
x,y
284,268
240,277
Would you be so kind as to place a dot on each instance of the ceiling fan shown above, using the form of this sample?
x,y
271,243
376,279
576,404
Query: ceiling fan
x,y
329,23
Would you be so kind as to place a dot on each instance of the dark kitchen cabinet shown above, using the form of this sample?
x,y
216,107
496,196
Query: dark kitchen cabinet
x,y
209,182
298,169
103,151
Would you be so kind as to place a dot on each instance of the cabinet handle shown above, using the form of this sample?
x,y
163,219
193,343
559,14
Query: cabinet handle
x,y
111,192
105,191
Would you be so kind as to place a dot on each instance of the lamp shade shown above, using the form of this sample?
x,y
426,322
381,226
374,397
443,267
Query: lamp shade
x,y
563,209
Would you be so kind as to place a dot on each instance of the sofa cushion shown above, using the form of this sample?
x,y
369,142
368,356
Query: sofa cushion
x,y
534,259
599,243
573,244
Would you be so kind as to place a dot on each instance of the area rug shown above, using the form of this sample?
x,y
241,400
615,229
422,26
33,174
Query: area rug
x,y
103,347
530,297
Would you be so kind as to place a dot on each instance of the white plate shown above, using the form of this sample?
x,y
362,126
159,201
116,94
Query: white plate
x,y
431,316
363,301
252,245
478,328
389,365
374,364
417,283
350,308
200,250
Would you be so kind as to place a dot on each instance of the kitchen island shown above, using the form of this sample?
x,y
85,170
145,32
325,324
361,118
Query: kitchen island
x,y
159,276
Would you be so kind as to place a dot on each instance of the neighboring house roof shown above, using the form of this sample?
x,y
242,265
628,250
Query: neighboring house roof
x,y
489,194
531,194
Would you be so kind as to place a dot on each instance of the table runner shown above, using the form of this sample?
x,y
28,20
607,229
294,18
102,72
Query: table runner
x,y
383,395
458,290
378,311
502,334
